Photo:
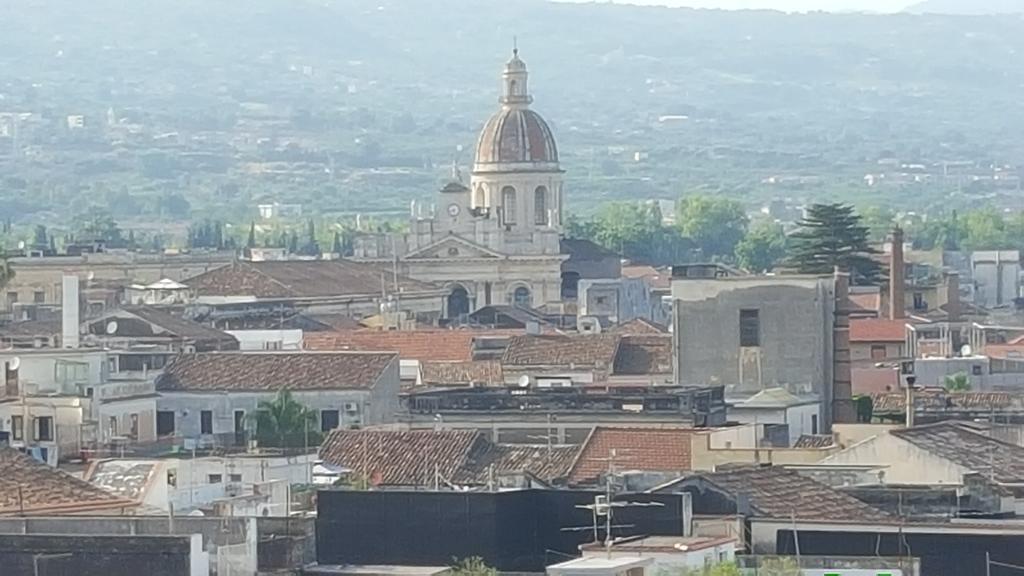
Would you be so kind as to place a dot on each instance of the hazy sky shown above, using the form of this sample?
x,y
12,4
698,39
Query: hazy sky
x,y
791,5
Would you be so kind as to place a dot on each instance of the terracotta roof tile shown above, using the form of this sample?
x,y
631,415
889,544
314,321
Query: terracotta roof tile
x,y
297,279
638,326
878,330
595,351
774,492
29,486
479,372
177,327
646,449
968,448
463,457
423,345
937,401
814,441
641,355
271,371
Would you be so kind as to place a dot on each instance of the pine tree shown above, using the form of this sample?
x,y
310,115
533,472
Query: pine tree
x,y
830,236
336,247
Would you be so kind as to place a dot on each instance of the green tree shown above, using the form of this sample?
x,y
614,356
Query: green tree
x,y
99,225
985,229
762,248
336,246
250,242
715,225
878,220
959,382
830,236
285,423
6,272
472,566
39,237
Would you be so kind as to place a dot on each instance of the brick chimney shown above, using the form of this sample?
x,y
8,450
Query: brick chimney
x,y
953,296
897,299
843,411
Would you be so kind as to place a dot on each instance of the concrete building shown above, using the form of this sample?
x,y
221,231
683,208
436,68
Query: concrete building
x,y
621,300
604,566
668,553
800,416
750,334
996,277
207,397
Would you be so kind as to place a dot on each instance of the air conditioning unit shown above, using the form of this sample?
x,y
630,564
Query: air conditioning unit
x,y
351,407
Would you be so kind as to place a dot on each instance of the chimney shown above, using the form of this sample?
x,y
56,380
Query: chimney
x,y
897,300
953,296
842,410
69,312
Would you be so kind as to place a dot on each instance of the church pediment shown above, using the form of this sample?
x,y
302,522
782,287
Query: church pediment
x,y
452,247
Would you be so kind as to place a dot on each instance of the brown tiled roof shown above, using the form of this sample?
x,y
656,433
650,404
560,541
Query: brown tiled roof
x,y
31,328
878,330
423,345
298,279
1013,351
126,478
596,351
814,441
271,371
31,487
969,448
942,401
182,327
480,372
774,492
638,326
640,355
411,458
646,449
868,302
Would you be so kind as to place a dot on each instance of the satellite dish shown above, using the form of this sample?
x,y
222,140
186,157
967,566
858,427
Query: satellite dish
x,y
524,381
966,351
90,276
112,327
13,363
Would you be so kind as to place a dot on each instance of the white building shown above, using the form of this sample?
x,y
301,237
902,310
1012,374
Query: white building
x,y
777,406
669,554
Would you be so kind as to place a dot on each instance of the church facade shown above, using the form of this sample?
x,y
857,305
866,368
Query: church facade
x,y
495,240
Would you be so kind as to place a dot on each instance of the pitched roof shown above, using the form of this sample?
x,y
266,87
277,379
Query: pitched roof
x,y
480,372
412,457
595,351
814,441
272,371
637,327
772,397
179,327
878,330
29,486
646,449
969,448
298,279
657,279
31,328
866,301
647,354
423,345
943,401
774,492
126,478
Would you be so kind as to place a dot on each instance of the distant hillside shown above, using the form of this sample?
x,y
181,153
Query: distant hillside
x,y
968,7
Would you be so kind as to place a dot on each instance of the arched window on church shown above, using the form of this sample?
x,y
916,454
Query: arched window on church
x,y
540,206
521,297
508,204
478,197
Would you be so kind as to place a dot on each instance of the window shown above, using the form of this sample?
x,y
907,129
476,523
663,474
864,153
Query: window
x,y
273,345
133,426
12,299
44,428
814,423
239,421
976,370
17,427
112,426
39,297
750,328
206,422
329,420
234,478
214,478
540,206
508,203
877,352
172,478
919,303
164,423
521,297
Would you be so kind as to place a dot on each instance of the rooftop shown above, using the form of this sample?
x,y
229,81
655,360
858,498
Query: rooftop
x,y
298,279
644,354
638,327
939,401
644,449
595,351
29,486
774,492
426,457
478,372
814,441
125,478
969,448
671,544
423,345
878,330
272,371
161,323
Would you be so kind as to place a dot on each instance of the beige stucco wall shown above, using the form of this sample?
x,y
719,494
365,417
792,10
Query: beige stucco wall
x,y
904,462
704,457
847,435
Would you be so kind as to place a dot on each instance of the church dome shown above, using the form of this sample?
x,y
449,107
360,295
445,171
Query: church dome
x,y
516,134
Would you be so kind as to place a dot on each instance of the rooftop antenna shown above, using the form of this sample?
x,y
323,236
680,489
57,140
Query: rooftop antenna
x,y
515,46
